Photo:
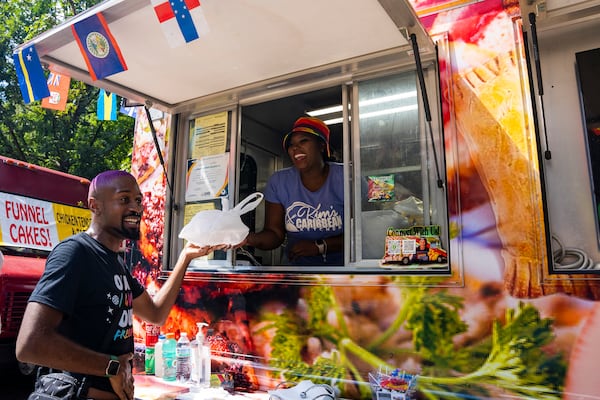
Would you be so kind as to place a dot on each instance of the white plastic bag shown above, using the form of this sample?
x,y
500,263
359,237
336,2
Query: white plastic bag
x,y
214,227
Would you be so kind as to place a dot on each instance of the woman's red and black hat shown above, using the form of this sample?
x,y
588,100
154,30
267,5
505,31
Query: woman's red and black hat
x,y
310,125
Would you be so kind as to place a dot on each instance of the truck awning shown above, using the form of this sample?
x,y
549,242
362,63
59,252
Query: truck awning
x,y
251,45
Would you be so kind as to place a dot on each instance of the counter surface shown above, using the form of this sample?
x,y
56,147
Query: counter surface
x,y
152,388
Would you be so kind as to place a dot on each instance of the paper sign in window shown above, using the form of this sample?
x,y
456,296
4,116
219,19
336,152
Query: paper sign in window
x,y
207,178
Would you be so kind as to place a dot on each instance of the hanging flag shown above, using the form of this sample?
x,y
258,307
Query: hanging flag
x,y
129,111
181,20
58,84
130,107
107,106
98,47
30,74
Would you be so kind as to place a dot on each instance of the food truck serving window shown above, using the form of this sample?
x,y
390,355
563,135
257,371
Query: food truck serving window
x,y
235,90
393,210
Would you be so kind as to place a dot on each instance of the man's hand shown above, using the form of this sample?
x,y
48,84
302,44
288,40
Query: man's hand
x,y
192,251
122,383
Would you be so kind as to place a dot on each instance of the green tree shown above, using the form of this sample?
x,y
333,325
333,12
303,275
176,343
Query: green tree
x,y
73,140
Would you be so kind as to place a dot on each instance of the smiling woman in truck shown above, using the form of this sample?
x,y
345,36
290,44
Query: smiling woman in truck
x,y
305,202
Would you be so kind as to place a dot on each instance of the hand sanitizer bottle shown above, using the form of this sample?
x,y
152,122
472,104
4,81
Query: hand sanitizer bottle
x,y
198,357
206,359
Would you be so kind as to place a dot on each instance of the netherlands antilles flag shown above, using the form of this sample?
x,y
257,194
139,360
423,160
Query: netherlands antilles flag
x,y
98,47
182,21
30,74
107,106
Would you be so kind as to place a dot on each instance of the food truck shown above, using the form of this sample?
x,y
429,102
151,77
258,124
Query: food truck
x,y
38,208
478,117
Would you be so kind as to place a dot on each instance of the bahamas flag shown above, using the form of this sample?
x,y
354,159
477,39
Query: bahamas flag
x,y
30,74
107,106
98,47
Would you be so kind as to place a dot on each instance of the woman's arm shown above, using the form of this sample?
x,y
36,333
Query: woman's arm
x,y
335,243
304,248
273,233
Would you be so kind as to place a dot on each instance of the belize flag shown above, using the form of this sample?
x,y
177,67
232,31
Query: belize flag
x,y
182,21
30,74
106,109
98,47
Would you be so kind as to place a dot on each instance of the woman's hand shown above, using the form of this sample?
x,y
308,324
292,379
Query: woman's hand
x,y
243,243
303,248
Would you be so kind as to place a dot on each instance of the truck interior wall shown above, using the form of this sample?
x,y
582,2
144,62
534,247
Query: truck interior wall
x,y
573,215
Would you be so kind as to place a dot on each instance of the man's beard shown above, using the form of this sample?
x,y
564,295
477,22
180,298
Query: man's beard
x,y
132,234
128,233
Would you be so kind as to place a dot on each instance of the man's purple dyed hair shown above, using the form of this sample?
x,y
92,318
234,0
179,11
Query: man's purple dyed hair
x,y
104,179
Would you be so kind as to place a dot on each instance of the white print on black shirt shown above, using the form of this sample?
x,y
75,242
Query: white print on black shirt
x,y
122,300
302,217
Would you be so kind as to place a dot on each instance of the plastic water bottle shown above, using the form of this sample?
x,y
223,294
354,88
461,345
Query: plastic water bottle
x,y
184,358
159,362
169,353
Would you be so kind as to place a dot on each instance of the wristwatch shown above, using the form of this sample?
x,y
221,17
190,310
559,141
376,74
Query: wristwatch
x,y
113,366
322,246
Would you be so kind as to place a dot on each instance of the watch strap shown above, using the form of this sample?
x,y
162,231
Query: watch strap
x,y
322,246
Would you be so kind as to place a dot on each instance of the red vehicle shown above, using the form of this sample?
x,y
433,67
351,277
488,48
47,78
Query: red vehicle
x,y
38,208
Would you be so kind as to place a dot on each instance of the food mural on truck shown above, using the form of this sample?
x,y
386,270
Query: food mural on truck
x,y
502,334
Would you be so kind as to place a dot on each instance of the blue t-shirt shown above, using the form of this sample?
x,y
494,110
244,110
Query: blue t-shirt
x,y
310,215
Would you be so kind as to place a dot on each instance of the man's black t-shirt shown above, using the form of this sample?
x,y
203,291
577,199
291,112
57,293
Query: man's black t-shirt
x,y
90,285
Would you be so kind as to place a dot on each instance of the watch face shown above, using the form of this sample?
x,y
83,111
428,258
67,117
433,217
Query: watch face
x,y
113,367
